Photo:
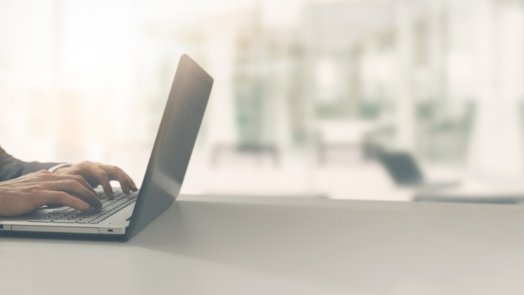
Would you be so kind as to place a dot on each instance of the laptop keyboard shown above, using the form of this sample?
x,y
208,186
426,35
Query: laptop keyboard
x,y
70,215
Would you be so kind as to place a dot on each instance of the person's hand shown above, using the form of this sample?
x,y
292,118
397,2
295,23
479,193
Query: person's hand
x,y
26,193
100,174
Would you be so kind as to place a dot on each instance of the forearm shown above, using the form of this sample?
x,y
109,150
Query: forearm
x,y
10,167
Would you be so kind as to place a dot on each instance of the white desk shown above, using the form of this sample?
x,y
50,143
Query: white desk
x,y
217,245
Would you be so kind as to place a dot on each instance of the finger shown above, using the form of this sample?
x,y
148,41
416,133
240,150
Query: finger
x,y
102,178
73,187
123,177
124,183
79,179
133,185
118,174
61,198
129,181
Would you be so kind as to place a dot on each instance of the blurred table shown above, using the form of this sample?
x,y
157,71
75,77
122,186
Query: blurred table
x,y
225,245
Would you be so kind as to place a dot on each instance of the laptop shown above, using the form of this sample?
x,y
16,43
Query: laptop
x,y
125,215
405,171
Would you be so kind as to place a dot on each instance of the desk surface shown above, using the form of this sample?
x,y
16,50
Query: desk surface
x,y
219,245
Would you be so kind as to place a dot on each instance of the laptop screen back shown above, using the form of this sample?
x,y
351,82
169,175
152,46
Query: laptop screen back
x,y
402,167
174,143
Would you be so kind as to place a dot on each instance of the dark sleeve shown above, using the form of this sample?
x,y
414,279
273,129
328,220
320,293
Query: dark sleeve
x,y
10,167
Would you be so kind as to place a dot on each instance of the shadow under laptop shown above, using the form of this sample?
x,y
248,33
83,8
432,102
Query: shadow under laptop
x,y
276,239
304,242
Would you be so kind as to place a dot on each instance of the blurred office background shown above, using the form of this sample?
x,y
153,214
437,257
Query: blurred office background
x,y
305,90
